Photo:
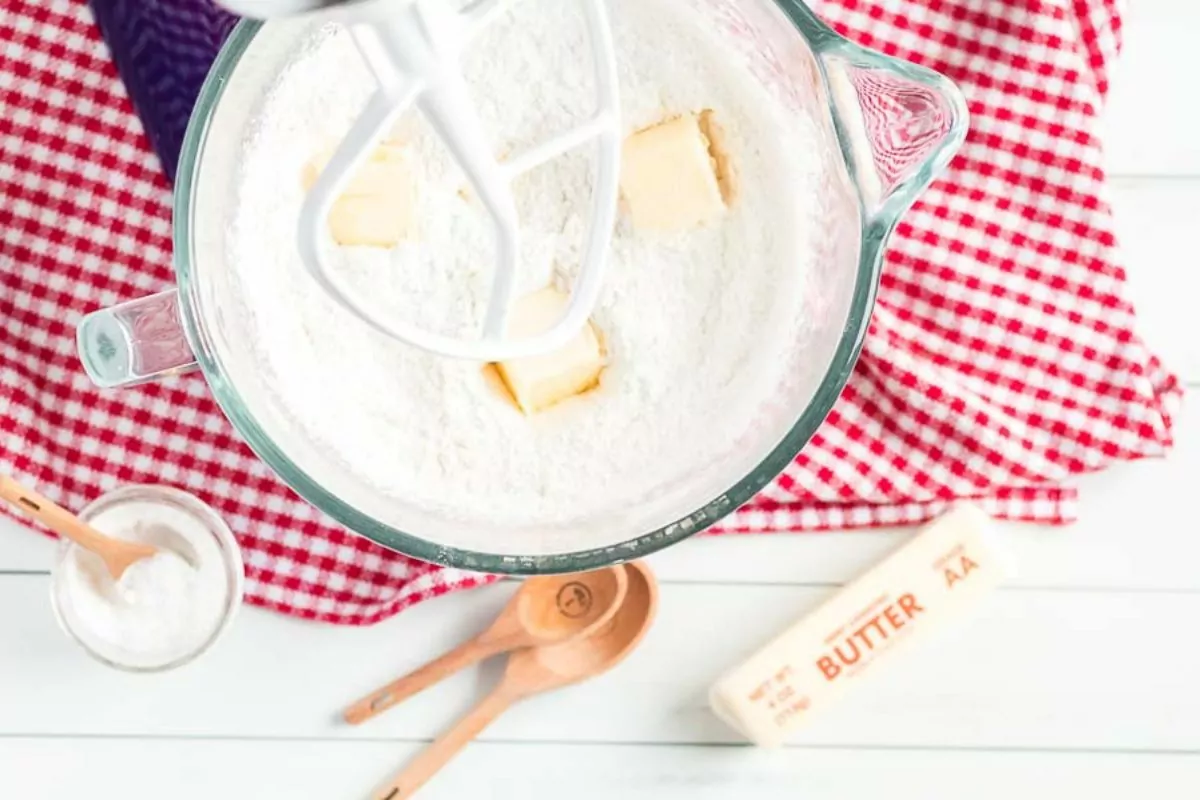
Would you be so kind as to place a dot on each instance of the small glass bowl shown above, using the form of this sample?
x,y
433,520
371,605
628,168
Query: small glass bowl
x,y
181,501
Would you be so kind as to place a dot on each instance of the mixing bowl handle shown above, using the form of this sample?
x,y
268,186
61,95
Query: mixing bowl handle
x,y
899,124
135,342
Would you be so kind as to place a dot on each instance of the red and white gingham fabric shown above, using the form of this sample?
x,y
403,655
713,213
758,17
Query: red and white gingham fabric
x,y
1001,358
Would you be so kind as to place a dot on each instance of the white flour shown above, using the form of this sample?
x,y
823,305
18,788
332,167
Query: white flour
x,y
684,316
165,607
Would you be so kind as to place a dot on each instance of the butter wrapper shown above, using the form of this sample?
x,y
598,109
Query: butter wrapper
x,y
938,577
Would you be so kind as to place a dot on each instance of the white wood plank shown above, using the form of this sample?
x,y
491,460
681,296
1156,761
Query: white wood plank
x,y
1152,115
22,549
1059,669
52,769
1156,221
1137,530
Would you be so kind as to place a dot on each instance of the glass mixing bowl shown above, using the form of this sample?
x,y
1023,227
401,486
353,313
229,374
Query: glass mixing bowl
x,y
886,128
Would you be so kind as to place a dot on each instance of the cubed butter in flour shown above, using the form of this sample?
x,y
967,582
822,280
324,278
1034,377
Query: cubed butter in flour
x,y
676,174
539,382
377,206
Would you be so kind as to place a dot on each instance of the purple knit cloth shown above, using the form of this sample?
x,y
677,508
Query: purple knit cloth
x,y
163,50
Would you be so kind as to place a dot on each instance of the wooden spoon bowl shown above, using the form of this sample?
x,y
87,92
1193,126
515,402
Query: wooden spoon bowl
x,y
542,669
557,608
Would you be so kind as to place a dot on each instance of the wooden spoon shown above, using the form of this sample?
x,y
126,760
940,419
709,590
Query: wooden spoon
x,y
546,610
117,554
536,670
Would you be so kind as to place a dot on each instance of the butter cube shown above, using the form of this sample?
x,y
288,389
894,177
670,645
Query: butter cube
x,y
377,206
674,175
539,382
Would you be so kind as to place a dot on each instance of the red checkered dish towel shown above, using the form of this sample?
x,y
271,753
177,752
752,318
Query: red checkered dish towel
x,y
1000,362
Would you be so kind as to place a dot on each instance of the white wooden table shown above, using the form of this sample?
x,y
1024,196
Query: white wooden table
x,y
1080,676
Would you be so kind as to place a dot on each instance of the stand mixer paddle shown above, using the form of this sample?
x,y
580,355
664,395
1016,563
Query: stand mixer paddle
x,y
412,48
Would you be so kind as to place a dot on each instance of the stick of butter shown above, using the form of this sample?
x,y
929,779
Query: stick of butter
x,y
934,579
377,207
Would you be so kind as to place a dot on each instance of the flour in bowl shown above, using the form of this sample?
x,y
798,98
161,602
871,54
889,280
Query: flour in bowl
x,y
690,320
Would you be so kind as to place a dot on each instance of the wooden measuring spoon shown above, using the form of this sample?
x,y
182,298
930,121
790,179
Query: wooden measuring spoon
x,y
545,610
537,670
117,554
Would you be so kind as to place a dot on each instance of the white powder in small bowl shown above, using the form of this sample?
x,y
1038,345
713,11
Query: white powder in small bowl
x,y
165,609
696,323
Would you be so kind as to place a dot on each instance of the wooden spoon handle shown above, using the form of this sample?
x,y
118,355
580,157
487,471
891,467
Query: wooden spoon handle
x,y
422,678
406,783
55,517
